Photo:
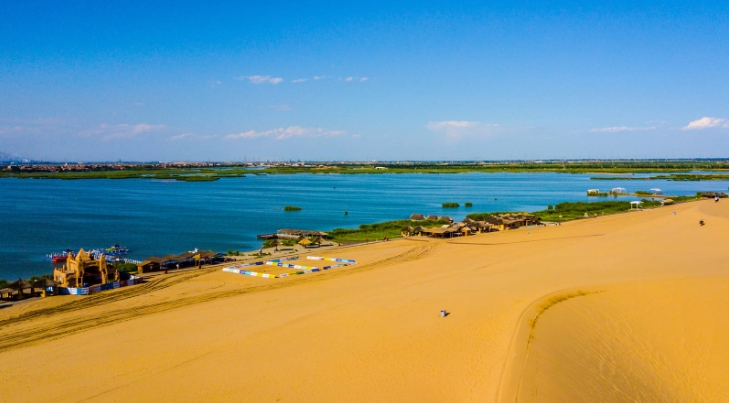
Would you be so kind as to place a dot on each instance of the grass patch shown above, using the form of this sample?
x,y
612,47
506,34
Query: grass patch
x,y
721,195
126,267
599,194
371,232
207,178
575,210
292,208
671,177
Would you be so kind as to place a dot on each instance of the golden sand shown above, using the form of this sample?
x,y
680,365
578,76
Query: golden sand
x,y
628,307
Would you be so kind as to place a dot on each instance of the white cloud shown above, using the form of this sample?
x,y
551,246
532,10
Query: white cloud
x,y
617,129
299,80
109,132
260,79
455,129
707,123
180,136
319,77
356,136
450,124
363,79
348,79
286,133
191,136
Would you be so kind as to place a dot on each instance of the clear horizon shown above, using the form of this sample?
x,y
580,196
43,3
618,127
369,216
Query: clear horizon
x,y
410,81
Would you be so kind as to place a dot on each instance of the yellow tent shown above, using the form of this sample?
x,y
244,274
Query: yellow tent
x,y
304,242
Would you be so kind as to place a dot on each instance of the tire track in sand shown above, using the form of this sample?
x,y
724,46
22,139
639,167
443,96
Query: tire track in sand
x,y
94,300
43,332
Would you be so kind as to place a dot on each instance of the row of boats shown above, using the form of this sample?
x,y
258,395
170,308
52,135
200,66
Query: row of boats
x,y
112,251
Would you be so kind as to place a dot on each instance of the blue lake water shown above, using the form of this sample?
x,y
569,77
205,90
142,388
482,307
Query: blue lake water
x,y
159,218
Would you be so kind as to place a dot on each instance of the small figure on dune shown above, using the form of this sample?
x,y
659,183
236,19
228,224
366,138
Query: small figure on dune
x,y
716,199
701,222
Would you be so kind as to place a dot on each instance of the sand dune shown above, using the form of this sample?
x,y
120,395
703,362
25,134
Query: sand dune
x,y
616,308
655,341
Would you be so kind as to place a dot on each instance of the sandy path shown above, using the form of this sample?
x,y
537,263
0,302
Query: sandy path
x,y
372,332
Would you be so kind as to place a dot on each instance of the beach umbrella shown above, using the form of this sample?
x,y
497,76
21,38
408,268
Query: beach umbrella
x,y
407,229
304,242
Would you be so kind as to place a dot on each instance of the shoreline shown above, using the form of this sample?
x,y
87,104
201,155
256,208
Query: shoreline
x,y
249,254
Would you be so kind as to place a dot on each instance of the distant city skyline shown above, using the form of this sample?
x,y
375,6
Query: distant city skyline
x,y
382,81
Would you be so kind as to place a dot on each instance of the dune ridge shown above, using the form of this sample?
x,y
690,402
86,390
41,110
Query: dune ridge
x,y
536,315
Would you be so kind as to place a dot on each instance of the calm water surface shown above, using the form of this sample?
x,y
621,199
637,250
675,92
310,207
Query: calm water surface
x,y
158,218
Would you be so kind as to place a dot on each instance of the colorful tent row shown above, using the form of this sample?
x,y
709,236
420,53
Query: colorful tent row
x,y
249,273
284,259
247,265
289,266
301,269
332,259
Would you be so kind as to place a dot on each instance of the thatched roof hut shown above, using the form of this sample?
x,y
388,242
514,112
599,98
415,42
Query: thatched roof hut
x,y
16,289
417,217
407,229
468,221
19,285
445,218
432,217
420,228
44,283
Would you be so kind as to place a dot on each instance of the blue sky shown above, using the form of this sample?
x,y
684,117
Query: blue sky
x,y
351,81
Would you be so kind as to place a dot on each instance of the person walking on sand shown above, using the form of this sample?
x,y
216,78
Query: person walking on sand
x,y
716,199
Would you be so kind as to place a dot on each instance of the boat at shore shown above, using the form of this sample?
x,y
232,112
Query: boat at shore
x,y
113,251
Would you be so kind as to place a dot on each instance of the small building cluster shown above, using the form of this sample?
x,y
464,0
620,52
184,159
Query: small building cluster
x,y
496,222
421,217
187,259
23,289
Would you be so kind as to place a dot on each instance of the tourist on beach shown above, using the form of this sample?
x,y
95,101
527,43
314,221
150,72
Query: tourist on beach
x,y
716,199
